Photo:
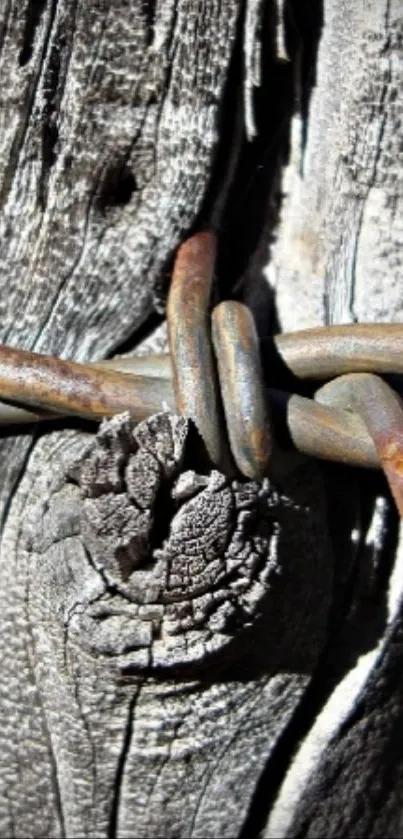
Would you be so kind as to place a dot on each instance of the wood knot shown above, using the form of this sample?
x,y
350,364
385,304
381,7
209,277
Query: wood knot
x,y
155,566
189,556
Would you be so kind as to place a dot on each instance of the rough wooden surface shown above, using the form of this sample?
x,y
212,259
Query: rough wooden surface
x,y
337,255
160,627
166,664
337,259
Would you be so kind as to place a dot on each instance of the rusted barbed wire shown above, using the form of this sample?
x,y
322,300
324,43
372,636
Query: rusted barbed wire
x,y
334,426
382,412
192,358
240,375
66,387
314,429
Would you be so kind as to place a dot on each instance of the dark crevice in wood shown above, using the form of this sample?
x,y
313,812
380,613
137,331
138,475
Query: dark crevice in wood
x,y
10,432
196,457
55,779
109,587
33,14
55,69
172,46
26,109
230,132
117,790
304,24
356,622
253,202
119,184
13,489
50,134
148,10
164,511
4,21
251,207
359,610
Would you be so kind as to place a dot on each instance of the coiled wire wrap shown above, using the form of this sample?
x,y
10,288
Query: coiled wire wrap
x,y
214,375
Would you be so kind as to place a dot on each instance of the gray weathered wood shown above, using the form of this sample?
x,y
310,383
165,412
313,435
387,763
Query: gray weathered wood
x,y
166,665
160,625
337,259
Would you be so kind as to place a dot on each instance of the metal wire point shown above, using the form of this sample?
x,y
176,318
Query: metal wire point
x,y
355,419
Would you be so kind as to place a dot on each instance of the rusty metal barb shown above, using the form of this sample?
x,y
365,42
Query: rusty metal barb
x,y
320,353
328,351
382,412
187,380
314,429
66,387
240,374
328,433
193,367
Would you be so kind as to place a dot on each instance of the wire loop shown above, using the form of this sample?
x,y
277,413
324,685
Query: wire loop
x,y
215,370
244,396
382,412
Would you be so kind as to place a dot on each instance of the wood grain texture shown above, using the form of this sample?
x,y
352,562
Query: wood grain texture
x,y
107,106
129,709
109,120
109,128
160,626
337,258
167,665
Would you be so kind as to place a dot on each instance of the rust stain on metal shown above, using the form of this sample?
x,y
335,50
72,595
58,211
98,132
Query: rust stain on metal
x,y
194,374
369,434
392,456
382,412
242,387
324,352
314,429
66,387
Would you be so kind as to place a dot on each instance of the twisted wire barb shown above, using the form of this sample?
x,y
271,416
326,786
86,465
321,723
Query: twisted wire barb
x,y
340,424
143,385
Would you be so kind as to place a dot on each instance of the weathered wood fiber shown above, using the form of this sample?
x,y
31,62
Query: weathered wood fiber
x,y
159,625
337,258
123,714
338,252
167,663
110,125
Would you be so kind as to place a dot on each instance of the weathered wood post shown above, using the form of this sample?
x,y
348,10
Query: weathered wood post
x,y
182,655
